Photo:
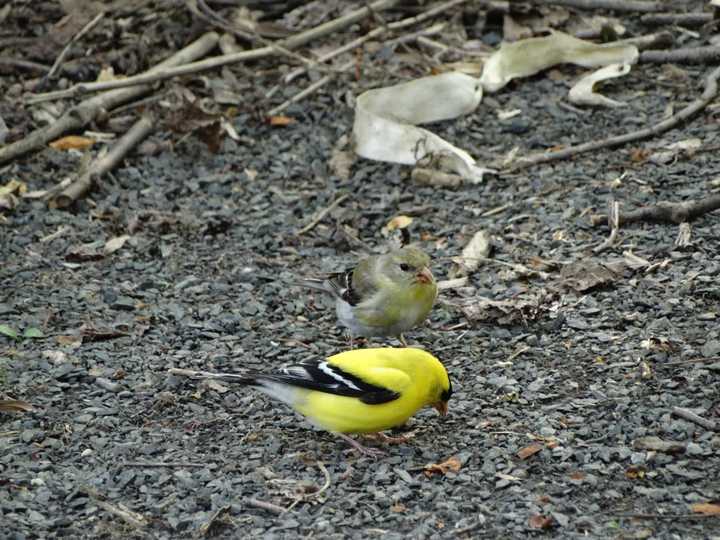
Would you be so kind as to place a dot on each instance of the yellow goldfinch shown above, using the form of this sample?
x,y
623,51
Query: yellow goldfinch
x,y
358,391
384,295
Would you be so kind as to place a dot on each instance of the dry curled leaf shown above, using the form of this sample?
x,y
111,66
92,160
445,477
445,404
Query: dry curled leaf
x,y
472,254
529,450
281,121
450,465
72,142
711,509
540,522
114,244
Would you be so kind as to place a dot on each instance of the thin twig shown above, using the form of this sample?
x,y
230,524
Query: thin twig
x,y
689,20
134,519
86,111
321,215
689,55
265,506
314,87
377,32
666,212
708,95
156,464
139,130
695,419
204,529
614,222
292,42
61,58
641,6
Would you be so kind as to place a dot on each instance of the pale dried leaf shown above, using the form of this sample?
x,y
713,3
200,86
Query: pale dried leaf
x,y
473,254
530,56
450,465
114,244
583,93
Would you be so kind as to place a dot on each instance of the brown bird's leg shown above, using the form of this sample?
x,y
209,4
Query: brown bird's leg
x,y
402,340
381,437
364,450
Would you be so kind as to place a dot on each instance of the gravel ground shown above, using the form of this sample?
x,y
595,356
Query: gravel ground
x,y
552,411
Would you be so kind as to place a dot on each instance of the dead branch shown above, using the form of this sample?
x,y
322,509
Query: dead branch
x,y
321,215
689,20
377,32
88,110
169,72
659,40
117,509
665,212
689,55
265,506
61,57
314,87
640,6
204,529
709,94
690,416
614,222
140,129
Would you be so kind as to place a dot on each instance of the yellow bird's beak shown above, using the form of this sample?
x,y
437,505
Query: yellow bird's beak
x,y
441,407
424,275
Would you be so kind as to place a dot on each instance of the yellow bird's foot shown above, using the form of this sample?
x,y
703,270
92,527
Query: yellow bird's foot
x,y
402,340
363,450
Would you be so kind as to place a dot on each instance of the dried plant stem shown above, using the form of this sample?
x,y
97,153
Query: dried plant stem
x,y
168,72
88,110
708,95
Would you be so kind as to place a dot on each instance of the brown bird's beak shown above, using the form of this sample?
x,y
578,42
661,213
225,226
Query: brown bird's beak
x,y
441,407
424,275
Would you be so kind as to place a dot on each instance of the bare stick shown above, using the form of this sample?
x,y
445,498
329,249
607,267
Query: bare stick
x,y
117,509
321,215
614,5
140,129
666,212
614,222
204,529
86,111
377,32
157,464
689,55
61,58
695,419
314,87
711,90
689,20
265,506
168,72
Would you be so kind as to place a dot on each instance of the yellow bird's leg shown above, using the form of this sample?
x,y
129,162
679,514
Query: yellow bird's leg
x,y
402,340
364,450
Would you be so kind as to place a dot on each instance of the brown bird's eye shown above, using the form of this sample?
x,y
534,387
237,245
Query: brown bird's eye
x,y
404,267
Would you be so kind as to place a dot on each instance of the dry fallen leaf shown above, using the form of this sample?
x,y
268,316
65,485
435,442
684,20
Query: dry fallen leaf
x,y
711,509
450,465
472,255
634,473
15,405
398,222
540,522
72,142
112,245
529,450
281,120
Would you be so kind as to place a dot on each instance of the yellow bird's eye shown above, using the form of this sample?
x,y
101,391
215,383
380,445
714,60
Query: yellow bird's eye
x,y
404,267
